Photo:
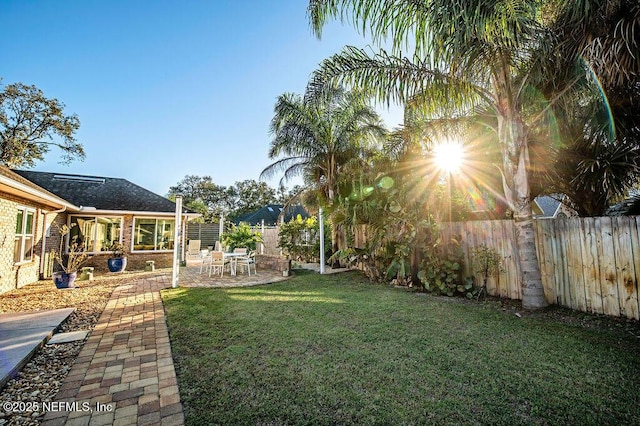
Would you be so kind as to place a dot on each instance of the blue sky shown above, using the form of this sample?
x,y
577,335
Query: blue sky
x,y
167,88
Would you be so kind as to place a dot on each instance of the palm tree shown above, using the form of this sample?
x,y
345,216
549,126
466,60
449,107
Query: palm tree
x,y
466,55
488,54
591,58
317,135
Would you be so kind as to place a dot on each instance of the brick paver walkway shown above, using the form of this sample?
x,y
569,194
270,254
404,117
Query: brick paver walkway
x,y
124,374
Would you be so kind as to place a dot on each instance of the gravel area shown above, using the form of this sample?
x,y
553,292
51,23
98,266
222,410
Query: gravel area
x,y
41,378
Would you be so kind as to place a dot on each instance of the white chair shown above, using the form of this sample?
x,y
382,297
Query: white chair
x,y
218,263
193,249
205,259
247,261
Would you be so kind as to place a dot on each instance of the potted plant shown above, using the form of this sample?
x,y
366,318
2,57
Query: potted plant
x,y
117,261
69,263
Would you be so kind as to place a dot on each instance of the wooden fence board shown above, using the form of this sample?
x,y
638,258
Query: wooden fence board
x,y
574,263
591,266
608,280
564,298
625,270
555,261
510,279
545,251
634,224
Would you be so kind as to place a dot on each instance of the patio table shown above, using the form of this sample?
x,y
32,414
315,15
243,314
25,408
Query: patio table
x,y
231,256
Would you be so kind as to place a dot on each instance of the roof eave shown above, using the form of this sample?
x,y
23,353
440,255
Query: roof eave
x,y
135,213
13,187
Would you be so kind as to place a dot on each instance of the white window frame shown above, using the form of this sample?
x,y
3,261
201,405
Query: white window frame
x,y
95,230
20,238
155,234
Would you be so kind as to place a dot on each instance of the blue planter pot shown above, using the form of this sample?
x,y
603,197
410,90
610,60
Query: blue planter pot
x,y
64,280
117,264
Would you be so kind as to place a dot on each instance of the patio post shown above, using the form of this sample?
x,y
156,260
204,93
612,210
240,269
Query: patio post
x,y
221,228
320,218
176,242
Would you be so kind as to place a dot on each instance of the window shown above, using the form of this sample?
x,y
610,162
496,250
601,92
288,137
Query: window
x,y
95,233
23,247
152,234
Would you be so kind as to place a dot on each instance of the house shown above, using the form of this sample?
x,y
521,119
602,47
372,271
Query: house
x,y
272,214
550,207
100,210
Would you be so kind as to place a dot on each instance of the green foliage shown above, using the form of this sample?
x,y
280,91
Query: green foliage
x,y
299,239
441,267
30,124
201,194
487,262
241,236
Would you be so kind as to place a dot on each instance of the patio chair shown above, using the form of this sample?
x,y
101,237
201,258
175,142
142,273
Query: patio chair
x,y
247,261
193,249
218,263
205,260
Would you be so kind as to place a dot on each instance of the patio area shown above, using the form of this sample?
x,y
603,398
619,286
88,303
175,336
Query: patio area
x,y
190,276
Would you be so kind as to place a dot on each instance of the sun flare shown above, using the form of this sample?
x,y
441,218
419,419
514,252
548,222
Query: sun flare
x,y
449,156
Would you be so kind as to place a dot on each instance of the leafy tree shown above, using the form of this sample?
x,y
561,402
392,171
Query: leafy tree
x,y
590,57
317,135
202,195
251,195
287,196
30,124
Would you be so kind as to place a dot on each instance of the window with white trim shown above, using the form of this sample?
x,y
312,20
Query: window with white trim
x,y
153,234
95,233
24,239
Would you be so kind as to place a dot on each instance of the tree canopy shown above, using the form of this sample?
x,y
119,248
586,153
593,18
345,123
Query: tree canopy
x,y
30,124
201,194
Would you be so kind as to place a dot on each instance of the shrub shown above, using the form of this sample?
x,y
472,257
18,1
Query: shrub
x,y
299,239
487,262
441,268
241,236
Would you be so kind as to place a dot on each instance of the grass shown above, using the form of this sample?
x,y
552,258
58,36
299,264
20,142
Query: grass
x,y
335,349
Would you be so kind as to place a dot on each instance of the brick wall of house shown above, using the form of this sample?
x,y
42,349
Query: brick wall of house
x,y
17,275
13,276
7,230
135,261
52,241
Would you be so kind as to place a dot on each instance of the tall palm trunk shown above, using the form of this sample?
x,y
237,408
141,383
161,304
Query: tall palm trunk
x,y
516,187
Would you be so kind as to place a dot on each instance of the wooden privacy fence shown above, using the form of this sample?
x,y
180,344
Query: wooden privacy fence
x,y
587,264
269,240
207,233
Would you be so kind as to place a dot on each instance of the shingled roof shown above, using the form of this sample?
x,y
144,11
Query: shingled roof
x,y
103,193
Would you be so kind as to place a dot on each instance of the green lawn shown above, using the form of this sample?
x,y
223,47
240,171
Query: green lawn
x,y
336,349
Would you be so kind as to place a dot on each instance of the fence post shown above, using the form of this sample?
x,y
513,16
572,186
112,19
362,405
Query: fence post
x,y
321,241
